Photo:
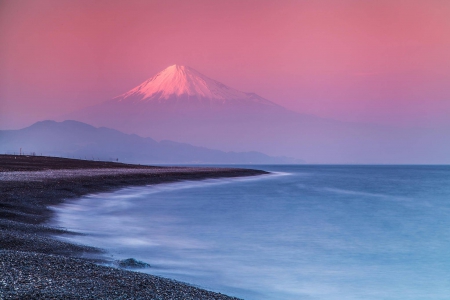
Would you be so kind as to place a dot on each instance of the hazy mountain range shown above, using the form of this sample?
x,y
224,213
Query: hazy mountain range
x,y
183,105
80,140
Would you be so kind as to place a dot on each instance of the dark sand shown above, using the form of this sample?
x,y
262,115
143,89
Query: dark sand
x,y
34,265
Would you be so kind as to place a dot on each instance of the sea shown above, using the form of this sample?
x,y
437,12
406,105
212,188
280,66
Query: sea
x,y
327,232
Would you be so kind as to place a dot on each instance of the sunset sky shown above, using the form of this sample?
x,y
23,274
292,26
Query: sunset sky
x,y
379,61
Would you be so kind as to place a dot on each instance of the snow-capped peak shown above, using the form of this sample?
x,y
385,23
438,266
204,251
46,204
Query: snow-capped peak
x,y
176,81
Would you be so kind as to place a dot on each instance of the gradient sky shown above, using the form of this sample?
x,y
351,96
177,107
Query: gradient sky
x,y
371,61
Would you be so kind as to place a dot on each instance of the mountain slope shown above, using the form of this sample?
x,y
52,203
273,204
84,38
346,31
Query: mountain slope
x,y
181,104
80,140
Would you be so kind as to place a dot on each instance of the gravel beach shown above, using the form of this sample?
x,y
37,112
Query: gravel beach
x,y
34,265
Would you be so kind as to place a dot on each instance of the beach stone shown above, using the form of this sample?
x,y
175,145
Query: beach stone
x,y
28,275
131,263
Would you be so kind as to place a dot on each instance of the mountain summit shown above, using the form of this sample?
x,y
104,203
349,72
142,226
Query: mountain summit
x,y
184,85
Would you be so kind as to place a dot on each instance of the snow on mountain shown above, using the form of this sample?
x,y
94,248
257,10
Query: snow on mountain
x,y
183,82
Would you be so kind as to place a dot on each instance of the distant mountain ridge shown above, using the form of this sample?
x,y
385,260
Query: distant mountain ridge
x,y
80,140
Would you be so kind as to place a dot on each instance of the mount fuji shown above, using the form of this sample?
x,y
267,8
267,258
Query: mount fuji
x,y
183,105
182,87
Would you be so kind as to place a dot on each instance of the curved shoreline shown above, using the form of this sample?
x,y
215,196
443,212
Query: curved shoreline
x,y
49,264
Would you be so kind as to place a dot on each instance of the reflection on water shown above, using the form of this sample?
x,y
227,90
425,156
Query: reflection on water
x,y
308,232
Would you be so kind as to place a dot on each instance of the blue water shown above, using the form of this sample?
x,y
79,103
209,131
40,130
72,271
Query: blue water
x,y
306,232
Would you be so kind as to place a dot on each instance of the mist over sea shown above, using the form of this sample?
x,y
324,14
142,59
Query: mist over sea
x,y
304,232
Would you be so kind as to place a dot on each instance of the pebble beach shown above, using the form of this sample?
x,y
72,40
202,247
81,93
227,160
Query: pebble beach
x,y
36,265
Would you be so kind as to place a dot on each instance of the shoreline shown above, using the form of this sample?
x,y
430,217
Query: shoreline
x,y
40,266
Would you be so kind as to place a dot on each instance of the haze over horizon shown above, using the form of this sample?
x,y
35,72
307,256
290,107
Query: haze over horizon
x,y
181,104
386,62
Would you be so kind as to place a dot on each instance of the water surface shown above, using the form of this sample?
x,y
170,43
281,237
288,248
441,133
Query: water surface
x,y
306,232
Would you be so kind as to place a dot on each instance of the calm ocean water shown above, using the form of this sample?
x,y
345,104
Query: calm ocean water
x,y
306,232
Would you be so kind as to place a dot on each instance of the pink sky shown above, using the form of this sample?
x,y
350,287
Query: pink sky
x,y
372,61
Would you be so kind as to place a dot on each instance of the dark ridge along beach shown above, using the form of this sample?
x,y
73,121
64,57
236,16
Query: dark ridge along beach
x,y
34,265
